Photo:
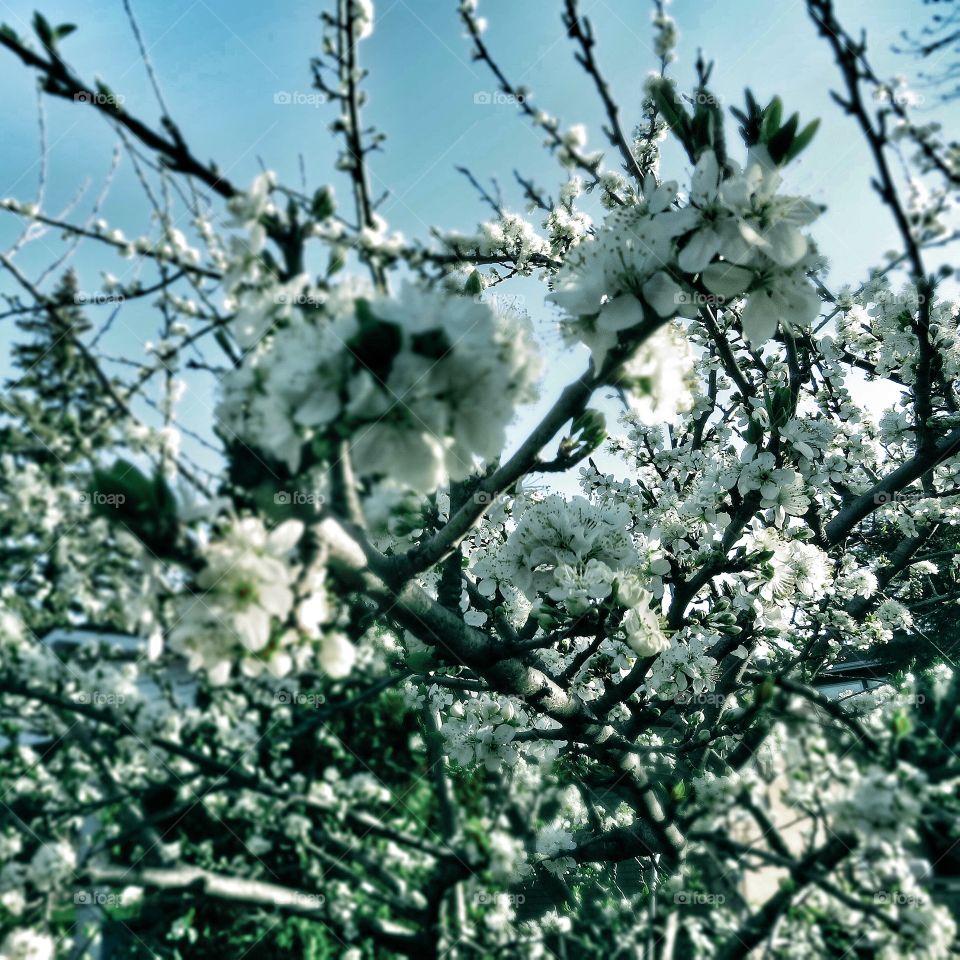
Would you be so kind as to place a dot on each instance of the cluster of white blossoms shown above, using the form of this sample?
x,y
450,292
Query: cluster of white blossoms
x,y
781,489
422,384
877,325
658,376
568,556
291,384
553,841
246,595
513,238
641,624
748,243
795,570
874,804
891,615
50,866
685,668
479,730
882,805
567,549
736,238
26,944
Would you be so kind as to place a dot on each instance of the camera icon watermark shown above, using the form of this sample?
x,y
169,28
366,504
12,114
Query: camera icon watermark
x,y
698,898
702,699
299,699
97,499
485,499
98,898
696,298
898,898
93,299
496,896
309,901
886,96
99,98
298,498
497,98
299,98
97,698
298,299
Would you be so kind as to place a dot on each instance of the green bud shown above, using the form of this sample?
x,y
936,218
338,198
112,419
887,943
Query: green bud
x,y
322,206
474,285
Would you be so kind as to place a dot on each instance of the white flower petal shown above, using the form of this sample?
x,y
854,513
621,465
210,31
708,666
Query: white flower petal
x,y
759,318
282,540
663,293
620,314
337,655
701,248
785,244
726,279
706,176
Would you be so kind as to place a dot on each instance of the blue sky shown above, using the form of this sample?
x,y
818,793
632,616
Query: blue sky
x,y
222,63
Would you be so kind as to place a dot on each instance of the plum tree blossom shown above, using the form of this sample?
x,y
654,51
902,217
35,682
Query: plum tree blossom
x,y
401,649
243,591
419,385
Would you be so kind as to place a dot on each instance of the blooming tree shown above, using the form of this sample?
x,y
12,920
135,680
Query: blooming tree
x,y
397,690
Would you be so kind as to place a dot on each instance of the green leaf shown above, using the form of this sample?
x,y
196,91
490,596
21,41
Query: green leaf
x,y
587,432
337,262
779,144
772,114
765,693
43,29
322,206
779,404
754,432
672,111
803,139
590,423
474,285
421,661
750,121
321,447
900,724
